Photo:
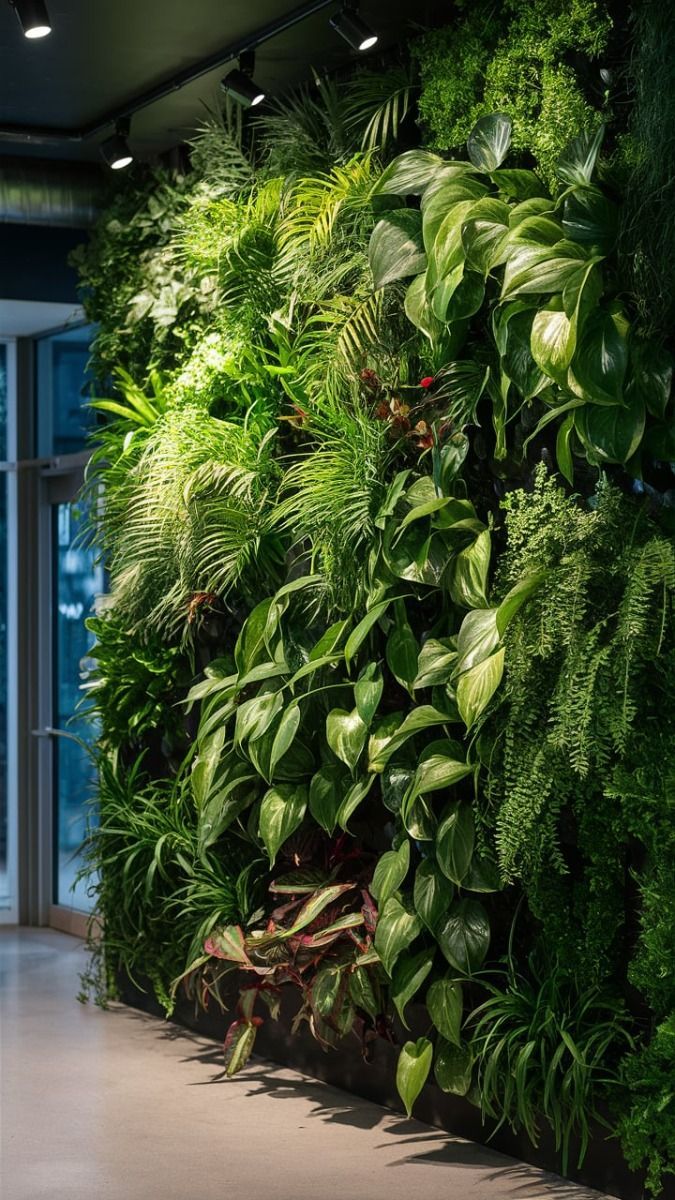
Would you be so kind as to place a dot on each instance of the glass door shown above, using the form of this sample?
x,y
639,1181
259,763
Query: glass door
x,y
77,581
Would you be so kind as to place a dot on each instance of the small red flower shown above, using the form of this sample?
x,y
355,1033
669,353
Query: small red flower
x,y
427,381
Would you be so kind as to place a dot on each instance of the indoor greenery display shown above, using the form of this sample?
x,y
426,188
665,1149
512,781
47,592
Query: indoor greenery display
x,y
383,702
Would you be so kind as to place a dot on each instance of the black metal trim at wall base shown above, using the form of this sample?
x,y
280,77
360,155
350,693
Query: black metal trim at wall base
x,y
604,1168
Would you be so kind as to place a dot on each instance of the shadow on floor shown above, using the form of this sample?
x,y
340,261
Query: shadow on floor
x,y
330,1104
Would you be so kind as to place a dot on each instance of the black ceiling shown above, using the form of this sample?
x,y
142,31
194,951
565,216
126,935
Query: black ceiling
x,y
103,54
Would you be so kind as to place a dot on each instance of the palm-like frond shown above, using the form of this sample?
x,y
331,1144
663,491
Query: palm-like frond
x,y
376,105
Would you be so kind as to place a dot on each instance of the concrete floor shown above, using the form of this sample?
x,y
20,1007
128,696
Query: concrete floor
x,y
119,1106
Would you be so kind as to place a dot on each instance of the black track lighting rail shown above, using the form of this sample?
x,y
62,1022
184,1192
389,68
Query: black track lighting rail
x,y
45,135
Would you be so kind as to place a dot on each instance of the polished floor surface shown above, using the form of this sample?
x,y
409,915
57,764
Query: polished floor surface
x,y
119,1106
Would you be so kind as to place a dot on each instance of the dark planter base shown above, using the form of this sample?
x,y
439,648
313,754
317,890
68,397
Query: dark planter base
x,y
603,1167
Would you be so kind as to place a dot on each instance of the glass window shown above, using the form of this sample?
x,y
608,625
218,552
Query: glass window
x,y
79,579
6,896
63,387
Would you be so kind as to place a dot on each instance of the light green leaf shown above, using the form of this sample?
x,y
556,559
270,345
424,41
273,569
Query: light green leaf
x,y
358,635
380,751
516,597
469,573
346,735
476,687
477,638
396,929
577,161
353,797
435,663
412,1070
255,716
281,812
489,141
409,174
390,872
288,727
563,448
437,772
368,692
396,249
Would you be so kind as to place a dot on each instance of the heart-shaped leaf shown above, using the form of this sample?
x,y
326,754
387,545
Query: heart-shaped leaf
x,y
326,791
396,929
346,735
281,811
409,974
464,936
390,872
412,1070
477,686
453,1067
432,894
446,1006
454,841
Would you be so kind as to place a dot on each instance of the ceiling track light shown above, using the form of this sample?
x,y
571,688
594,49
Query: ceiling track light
x,y
355,32
33,17
239,83
115,150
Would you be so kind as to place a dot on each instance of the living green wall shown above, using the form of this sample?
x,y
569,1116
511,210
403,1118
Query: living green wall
x,y
384,675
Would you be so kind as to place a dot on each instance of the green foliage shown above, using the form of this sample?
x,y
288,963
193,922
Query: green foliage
x,y
647,1127
151,879
134,684
511,58
562,352
647,157
597,629
543,1048
364,684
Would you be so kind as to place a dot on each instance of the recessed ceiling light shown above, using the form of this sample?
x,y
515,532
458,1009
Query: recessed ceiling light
x,y
354,31
33,18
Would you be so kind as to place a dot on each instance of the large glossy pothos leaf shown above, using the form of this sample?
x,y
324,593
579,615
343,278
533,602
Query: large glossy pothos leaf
x,y
390,872
489,141
455,840
396,248
464,935
611,434
453,1067
281,811
432,894
396,928
477,686
599,366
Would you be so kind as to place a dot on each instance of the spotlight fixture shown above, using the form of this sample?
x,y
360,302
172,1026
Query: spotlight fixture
x,y
355,32
239,83
115,149
33,17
